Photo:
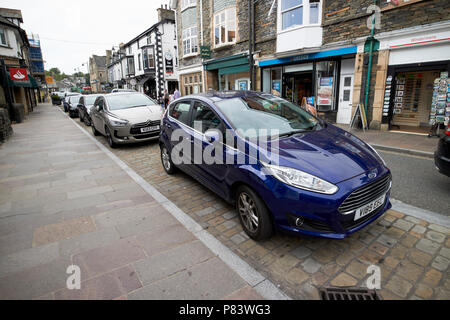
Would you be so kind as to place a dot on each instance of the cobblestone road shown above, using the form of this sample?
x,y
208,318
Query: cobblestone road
x,y
413,254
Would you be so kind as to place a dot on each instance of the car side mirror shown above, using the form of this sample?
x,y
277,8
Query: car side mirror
x,y
212,136
99,108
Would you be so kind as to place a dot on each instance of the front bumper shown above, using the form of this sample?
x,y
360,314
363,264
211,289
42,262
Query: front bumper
x,y
319,212
129,135
442,163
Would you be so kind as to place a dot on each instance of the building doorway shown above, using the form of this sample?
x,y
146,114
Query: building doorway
x,y
297,86
150,88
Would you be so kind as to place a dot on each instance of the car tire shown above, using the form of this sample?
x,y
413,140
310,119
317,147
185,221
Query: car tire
x,y
87,122
81,119
250,207
166,161
109,138
94,131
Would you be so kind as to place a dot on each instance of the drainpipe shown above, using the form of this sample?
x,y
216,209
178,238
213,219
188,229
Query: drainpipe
x,y
251,42
369,71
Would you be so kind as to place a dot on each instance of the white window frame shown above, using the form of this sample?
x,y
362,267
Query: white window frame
x,y
188,4
306,16
229,12
6,44
187,36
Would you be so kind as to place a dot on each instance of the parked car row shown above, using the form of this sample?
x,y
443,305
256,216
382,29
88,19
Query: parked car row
x,y
123,117
326,182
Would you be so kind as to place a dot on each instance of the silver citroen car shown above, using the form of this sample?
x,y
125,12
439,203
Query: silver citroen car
x,y
126,117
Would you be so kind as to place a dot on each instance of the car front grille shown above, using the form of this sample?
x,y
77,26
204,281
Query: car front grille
x,y
366,195
136,129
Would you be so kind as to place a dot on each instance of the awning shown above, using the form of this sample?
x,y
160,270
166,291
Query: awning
x,y
31,83
227,62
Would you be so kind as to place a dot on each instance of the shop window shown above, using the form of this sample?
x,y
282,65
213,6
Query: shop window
x,y
326,85
192,84
225,27
190,41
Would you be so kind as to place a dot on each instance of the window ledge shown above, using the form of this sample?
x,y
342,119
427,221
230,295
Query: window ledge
x,y
300,27
5,46
224,46
191,55
188,7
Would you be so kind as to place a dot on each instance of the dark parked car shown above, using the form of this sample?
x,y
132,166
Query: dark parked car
x,y
66,100
84,107
442,155
309,178
73,105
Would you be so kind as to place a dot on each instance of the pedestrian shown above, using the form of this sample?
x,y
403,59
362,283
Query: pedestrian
x,y
166,99
176,94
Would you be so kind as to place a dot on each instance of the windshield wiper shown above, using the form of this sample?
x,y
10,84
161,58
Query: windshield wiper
x,y
290,134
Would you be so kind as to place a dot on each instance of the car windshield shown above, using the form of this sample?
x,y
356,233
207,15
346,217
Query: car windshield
x,y
127,101
89,100
267,115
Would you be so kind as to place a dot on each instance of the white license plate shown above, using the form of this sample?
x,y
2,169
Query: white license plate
x,y
371,207
149,129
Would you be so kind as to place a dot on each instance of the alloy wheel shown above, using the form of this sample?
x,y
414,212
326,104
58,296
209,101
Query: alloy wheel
x,y
248,211
166,159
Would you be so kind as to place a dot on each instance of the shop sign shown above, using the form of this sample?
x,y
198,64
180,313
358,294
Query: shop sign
x,y
49,79
169,62
18,74
325,92
205,52
276,88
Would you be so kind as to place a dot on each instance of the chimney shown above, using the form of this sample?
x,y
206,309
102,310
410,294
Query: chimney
x,y
165,14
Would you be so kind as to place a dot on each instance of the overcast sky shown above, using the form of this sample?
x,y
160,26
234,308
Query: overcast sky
x,y
71,31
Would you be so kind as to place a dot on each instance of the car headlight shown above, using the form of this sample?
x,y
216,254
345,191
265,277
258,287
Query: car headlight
x,y
301,180
118,123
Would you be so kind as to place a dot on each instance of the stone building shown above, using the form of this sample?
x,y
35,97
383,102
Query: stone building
x,y
98,73
316,50
411,49
214,42
17,85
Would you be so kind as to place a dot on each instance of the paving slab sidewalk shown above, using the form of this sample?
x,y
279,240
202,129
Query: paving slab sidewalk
x,y
65,202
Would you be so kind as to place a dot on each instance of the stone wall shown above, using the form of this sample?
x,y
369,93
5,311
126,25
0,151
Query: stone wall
x,y
345,20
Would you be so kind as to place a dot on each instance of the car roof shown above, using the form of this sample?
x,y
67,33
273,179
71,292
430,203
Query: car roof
x,y
216,96
121,93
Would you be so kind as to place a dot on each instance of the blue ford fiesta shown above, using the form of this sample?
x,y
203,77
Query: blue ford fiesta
x,y
282,167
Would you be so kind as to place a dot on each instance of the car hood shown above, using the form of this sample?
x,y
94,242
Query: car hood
x,y
139,114
331,154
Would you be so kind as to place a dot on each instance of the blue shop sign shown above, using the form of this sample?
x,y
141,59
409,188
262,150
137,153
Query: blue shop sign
x,y
309,56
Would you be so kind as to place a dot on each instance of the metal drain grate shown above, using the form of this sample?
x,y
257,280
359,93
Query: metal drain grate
x,y
336,294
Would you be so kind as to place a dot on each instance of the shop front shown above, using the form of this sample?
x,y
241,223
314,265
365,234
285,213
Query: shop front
x,y
416,89
314,76
229,73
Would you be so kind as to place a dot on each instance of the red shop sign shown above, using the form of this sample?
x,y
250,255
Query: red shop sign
x,y
18,74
